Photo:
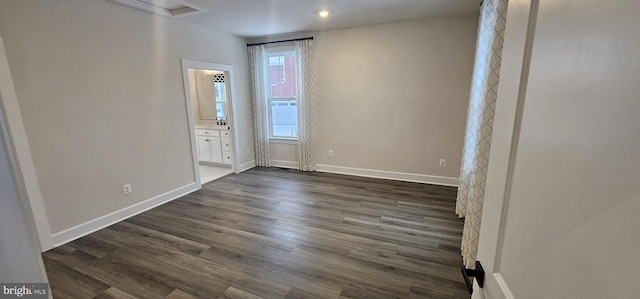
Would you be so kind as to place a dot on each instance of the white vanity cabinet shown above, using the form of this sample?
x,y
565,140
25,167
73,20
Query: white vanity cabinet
x,y
209,145
226,146
214,145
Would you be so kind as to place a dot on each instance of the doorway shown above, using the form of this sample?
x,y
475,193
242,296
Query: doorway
x,y
209,94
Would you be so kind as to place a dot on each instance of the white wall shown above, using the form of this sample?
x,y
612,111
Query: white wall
x,y
101,94
564,222
393,97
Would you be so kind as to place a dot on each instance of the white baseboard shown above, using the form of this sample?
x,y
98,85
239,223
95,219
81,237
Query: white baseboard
x,y
246,166
371,173
506,291
222,165
389,175
91,226
284,164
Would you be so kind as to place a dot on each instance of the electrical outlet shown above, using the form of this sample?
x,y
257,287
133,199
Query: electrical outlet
x,y
330,153
443,162
126,189
248,150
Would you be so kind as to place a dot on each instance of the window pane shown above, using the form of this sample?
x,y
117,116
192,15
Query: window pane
x,y
220,110
282,75
276,73
276,70
274,60
220,91
284,117
276,90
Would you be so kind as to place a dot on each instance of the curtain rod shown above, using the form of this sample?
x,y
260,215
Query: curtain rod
x,y
280,41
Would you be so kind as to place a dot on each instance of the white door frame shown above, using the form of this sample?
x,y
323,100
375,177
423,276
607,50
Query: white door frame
x,y
18,137
21,255
516,56
194,64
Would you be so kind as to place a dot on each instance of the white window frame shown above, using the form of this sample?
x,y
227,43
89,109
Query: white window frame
x,y
280,51
224,96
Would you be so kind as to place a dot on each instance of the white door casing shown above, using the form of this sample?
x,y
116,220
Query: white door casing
x,y
22,234
194,64
20,259
24,161
562,199
511,73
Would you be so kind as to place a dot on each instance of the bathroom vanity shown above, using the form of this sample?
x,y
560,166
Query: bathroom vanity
x,y
214,144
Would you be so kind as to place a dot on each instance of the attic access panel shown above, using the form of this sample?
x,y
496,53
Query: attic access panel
x,y
167,8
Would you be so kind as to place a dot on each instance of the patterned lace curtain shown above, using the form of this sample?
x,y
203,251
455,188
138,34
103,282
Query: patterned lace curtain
x,y
306,106
482,102
257,74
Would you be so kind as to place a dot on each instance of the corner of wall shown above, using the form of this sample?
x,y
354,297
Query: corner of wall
x,y
18,136
246,166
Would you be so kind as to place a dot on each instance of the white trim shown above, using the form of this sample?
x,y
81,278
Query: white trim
x,y
91,226
27,230
389,175
372,173
209,163
192,122
282,140
517,128
246,166
280,48
503,286
194,64
284,164
18,136
521,17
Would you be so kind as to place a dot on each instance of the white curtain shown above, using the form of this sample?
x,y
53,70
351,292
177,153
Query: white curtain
x,y
306,105
482,102
257,74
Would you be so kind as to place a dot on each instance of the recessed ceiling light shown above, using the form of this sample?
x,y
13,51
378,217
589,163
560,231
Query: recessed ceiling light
x,y
324,13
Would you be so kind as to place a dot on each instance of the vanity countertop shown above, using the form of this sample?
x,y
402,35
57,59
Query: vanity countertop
x,y
214,127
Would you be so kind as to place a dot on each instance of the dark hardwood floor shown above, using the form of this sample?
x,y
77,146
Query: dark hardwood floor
x,y
274,233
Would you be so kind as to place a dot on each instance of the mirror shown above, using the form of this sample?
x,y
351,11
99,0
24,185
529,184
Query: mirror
x,y
209,94
211,90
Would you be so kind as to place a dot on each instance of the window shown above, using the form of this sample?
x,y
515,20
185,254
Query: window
x,y
283,103
220,95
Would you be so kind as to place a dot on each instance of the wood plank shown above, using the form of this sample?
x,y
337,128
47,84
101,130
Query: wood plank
x,y
110,273
233,293
180,294
71,282
274,233
114,293
267,288
94,247
254,263
160,238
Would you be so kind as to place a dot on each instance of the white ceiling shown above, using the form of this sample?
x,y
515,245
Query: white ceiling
x,y
254,18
